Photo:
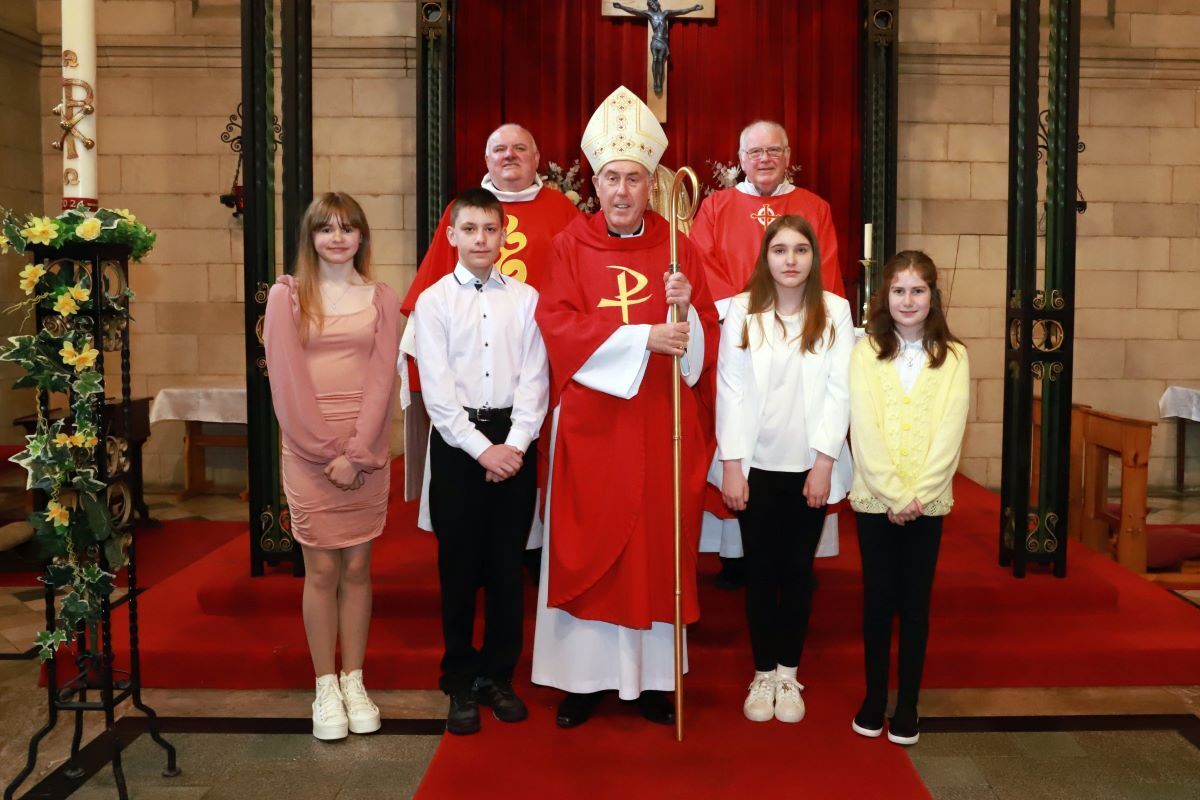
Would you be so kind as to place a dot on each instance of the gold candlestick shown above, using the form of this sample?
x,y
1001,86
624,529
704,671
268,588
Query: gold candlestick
x,y
867,263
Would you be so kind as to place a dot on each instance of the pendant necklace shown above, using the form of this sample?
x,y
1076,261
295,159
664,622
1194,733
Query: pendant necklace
x,y
333,304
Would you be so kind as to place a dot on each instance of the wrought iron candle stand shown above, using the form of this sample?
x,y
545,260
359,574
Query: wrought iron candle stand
x,y
107,267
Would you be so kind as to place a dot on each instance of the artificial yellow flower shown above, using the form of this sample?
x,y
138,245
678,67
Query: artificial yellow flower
x,y
72,440
86,358
57,514
4,244
65,305
91,441
41,230
62,438
88,230
30,277
80,293
124,212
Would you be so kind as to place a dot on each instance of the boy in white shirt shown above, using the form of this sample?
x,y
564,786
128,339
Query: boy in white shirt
x,y
485,383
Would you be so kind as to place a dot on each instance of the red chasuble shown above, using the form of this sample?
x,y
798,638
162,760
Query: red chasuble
x,y
611,505
531,225
729,228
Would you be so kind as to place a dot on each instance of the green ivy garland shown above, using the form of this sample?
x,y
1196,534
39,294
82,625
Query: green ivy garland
x,y
60,456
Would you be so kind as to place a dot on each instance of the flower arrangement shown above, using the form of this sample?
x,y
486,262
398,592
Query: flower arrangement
x,y
60,456
569,183
105,225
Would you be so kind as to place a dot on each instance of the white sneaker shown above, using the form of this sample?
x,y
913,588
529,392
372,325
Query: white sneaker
x,y
363,714
760,703
789,706
329,713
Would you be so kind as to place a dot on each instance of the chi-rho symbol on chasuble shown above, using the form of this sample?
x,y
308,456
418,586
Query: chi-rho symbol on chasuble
x,y
705,9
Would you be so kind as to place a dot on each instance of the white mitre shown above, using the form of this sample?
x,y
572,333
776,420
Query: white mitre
x,y
623,129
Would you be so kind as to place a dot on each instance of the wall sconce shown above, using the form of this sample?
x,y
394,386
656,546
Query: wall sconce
x,y
232,136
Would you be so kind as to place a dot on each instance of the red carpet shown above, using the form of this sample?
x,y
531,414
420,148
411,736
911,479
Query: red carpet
x,y
1100,626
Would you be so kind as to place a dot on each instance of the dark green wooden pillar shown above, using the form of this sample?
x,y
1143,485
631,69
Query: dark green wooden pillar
x,y
269,538
1040,320
880,116
435,115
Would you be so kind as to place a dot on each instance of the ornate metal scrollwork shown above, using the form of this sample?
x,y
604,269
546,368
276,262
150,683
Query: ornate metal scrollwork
x,y
117,450
1014,334
115,282
261,290
56,325
266,521
434,19
1048,336
120,503
1039,299
113,332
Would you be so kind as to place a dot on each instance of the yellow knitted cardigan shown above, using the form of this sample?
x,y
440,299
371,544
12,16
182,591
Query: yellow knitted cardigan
x,y
906,445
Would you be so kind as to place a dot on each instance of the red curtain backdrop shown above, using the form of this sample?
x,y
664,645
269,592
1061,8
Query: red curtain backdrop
x,y
546,64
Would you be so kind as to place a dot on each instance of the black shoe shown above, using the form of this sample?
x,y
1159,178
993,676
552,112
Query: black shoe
x,y
463,717
658,707
499,694
904,727
576,709
868,722
732,575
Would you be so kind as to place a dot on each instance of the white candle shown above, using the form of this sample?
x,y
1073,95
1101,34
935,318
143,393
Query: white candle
x,y
80,180
868,240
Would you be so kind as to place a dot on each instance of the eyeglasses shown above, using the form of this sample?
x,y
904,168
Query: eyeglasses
x,y
757,153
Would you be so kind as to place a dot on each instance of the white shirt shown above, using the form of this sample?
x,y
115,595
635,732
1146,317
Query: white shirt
x,y
478,347
782,444
909,361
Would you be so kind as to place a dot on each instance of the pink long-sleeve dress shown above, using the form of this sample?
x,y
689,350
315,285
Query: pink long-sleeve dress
x,y
333,395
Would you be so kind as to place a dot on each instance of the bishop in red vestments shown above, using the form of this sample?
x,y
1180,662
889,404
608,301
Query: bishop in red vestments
x,y
606,598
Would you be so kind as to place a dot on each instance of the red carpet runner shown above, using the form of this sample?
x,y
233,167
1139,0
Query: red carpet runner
x,y
1101,626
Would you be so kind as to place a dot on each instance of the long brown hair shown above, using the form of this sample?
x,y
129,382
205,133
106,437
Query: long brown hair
x,y
762,287
339,208
882,328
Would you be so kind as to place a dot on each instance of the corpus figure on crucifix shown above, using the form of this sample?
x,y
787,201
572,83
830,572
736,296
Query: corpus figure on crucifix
x,y
659,20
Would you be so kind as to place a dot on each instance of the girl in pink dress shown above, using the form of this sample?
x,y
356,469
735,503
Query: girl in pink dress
x,y
332,336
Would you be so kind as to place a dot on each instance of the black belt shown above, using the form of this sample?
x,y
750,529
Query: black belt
x,y
486,415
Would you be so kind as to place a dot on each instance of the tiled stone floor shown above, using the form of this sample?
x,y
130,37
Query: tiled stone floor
x,y
955,766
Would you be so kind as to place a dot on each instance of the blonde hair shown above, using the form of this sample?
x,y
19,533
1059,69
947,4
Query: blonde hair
x,y
340,208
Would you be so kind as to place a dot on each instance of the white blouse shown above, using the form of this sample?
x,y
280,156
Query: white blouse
x,y
782,444
909,361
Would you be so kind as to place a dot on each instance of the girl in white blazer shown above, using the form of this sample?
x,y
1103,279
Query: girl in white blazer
x,y
783,411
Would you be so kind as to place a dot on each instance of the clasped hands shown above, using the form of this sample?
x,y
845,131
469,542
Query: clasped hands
x,y
906,514
671,338
735,489
501,461
344,475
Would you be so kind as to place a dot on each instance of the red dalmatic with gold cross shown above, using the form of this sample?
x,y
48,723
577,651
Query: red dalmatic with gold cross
x,y
611,525
729,228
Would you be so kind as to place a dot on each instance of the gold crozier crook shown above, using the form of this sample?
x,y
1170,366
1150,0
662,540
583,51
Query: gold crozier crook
x,y
680,209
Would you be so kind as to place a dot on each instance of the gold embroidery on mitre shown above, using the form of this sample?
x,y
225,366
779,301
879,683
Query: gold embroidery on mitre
x,y
625,295
765,215
514,242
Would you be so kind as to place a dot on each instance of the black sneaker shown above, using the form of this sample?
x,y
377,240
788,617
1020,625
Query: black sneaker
x,y
868,723
576,709
463,717
499,694
903,728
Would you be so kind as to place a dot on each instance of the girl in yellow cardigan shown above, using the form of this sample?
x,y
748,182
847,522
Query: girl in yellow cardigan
x,y
909,391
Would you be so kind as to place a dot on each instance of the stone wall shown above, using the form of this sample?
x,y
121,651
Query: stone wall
x,y
1138,274
169,80
20,179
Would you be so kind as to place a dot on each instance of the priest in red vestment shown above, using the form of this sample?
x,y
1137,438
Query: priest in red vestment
x,y
606,597
728,228
533,216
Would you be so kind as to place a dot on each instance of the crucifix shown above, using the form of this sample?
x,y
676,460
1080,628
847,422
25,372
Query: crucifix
x,y
658,13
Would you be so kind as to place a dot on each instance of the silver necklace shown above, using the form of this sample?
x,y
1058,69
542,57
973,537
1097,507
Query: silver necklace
x,y
333,304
